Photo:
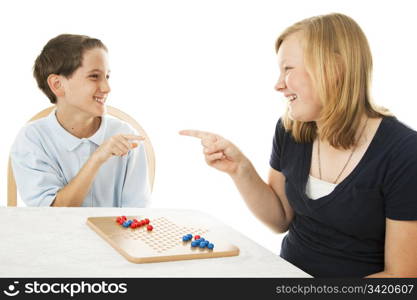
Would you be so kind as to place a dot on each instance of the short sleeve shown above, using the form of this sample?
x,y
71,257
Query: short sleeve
x,y
400,184
136,188
37,176
277,144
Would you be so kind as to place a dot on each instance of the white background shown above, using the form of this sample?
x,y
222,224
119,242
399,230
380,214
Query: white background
x,y
206,65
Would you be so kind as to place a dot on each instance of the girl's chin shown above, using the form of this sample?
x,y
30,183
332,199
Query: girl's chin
x,y
300,117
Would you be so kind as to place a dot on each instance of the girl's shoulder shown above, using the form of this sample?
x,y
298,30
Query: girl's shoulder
x,y
395,131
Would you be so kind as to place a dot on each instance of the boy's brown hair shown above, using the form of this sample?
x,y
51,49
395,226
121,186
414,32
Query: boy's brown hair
x,y
62,55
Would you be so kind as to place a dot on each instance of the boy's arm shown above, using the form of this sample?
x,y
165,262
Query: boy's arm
x,y
73,194
37,178
38,175
136,187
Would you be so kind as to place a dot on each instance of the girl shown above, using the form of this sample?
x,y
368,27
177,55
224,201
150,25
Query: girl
x,y
343,172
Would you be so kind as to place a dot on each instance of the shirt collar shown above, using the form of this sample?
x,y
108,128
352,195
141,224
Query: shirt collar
x,y
72,142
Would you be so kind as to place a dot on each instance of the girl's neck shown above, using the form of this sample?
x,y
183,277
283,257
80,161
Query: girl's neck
x,y
363,121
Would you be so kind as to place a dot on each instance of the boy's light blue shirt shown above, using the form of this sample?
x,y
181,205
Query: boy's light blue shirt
x,y
45,157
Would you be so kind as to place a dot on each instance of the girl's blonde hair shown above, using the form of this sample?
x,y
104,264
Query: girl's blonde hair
x,y
339,62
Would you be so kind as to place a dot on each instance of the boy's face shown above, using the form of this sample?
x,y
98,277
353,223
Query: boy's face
x,y
87,88
295,82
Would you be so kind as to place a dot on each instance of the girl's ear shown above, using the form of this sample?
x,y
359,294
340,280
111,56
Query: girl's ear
x,y
339,69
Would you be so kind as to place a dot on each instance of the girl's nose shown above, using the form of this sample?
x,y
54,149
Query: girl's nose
x,y
280,85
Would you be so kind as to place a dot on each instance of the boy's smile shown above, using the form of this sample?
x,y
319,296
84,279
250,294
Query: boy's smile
x,y
87,89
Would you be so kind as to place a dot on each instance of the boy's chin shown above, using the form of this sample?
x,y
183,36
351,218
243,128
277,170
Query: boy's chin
x,y
99,111
102,112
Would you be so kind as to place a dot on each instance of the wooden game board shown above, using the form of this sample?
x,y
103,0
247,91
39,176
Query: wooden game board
x,y
164,243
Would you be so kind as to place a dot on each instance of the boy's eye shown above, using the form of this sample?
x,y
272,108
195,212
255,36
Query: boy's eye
x,y
287,68
107,76
94,76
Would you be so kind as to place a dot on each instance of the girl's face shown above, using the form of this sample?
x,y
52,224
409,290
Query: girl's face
x,y
295,82
87,89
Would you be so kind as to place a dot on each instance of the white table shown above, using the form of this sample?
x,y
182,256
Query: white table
x,y
56,242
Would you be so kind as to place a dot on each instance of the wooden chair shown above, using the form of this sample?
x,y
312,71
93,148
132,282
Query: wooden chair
x,y
11,183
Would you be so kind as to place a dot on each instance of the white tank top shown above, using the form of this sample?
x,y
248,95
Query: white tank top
x,y
317,188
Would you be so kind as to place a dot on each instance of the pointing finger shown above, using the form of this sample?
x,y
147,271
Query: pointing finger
x,y
209,141
134,137
219,145
196,133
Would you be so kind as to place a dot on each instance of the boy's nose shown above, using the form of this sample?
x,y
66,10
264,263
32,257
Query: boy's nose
x,y
105,86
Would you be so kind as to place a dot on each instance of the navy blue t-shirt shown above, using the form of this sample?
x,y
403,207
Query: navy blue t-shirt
x,y
343,234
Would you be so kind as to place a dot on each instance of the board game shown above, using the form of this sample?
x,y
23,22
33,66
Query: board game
x,y
163,241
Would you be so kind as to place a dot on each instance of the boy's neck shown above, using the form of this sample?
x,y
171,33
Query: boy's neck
x,y
77,123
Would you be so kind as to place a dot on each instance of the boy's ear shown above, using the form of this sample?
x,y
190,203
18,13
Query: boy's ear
x,y
56,85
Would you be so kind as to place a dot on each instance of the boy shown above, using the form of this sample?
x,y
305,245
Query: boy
x,y
78,156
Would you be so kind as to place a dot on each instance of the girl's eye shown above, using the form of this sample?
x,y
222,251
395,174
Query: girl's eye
x,y
287,68
95,76
107,76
